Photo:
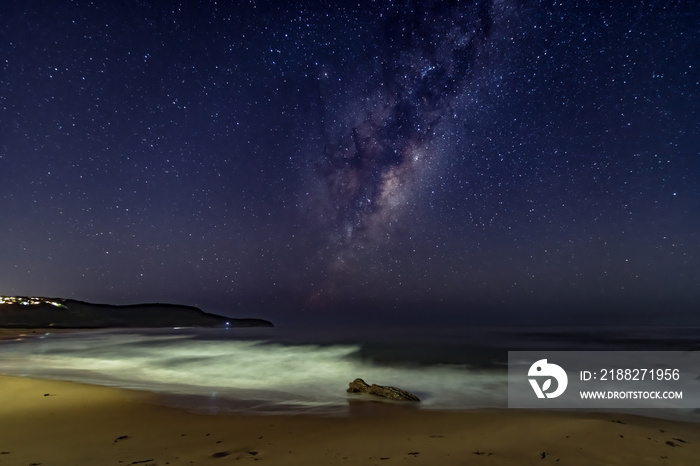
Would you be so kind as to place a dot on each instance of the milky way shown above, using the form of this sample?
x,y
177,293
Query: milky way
x,y
428,56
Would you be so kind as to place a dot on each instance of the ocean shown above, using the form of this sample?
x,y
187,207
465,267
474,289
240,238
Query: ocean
x,y
307,369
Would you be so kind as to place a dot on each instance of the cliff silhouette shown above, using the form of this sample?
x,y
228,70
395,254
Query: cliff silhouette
x,y
29,312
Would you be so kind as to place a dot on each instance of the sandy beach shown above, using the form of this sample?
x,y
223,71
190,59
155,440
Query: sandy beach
x,y
47,422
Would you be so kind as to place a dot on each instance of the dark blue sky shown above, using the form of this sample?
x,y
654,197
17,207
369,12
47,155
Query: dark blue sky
x,y
496,161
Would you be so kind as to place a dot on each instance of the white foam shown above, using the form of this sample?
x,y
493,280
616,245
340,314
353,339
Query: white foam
x,y
233,374
300,375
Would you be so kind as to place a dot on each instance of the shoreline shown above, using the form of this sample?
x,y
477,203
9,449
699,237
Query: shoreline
x,y
53,422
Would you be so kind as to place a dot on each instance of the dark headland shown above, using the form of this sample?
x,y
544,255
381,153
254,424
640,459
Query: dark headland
x,y
30,312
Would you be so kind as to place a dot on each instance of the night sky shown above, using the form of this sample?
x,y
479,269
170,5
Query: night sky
x,y
477,162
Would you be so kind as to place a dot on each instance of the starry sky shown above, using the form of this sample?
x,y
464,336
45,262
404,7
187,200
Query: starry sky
x,y
484,161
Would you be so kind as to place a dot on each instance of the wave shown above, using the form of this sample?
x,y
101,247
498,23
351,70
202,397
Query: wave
x,y
270,371
268,375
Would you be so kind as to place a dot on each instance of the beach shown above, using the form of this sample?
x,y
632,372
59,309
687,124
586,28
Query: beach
x,y
49,422
196,397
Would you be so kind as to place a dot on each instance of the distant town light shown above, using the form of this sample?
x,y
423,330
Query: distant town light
x,y
27,301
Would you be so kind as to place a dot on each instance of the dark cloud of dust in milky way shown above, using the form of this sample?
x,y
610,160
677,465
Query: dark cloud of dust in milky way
x,y
430,55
